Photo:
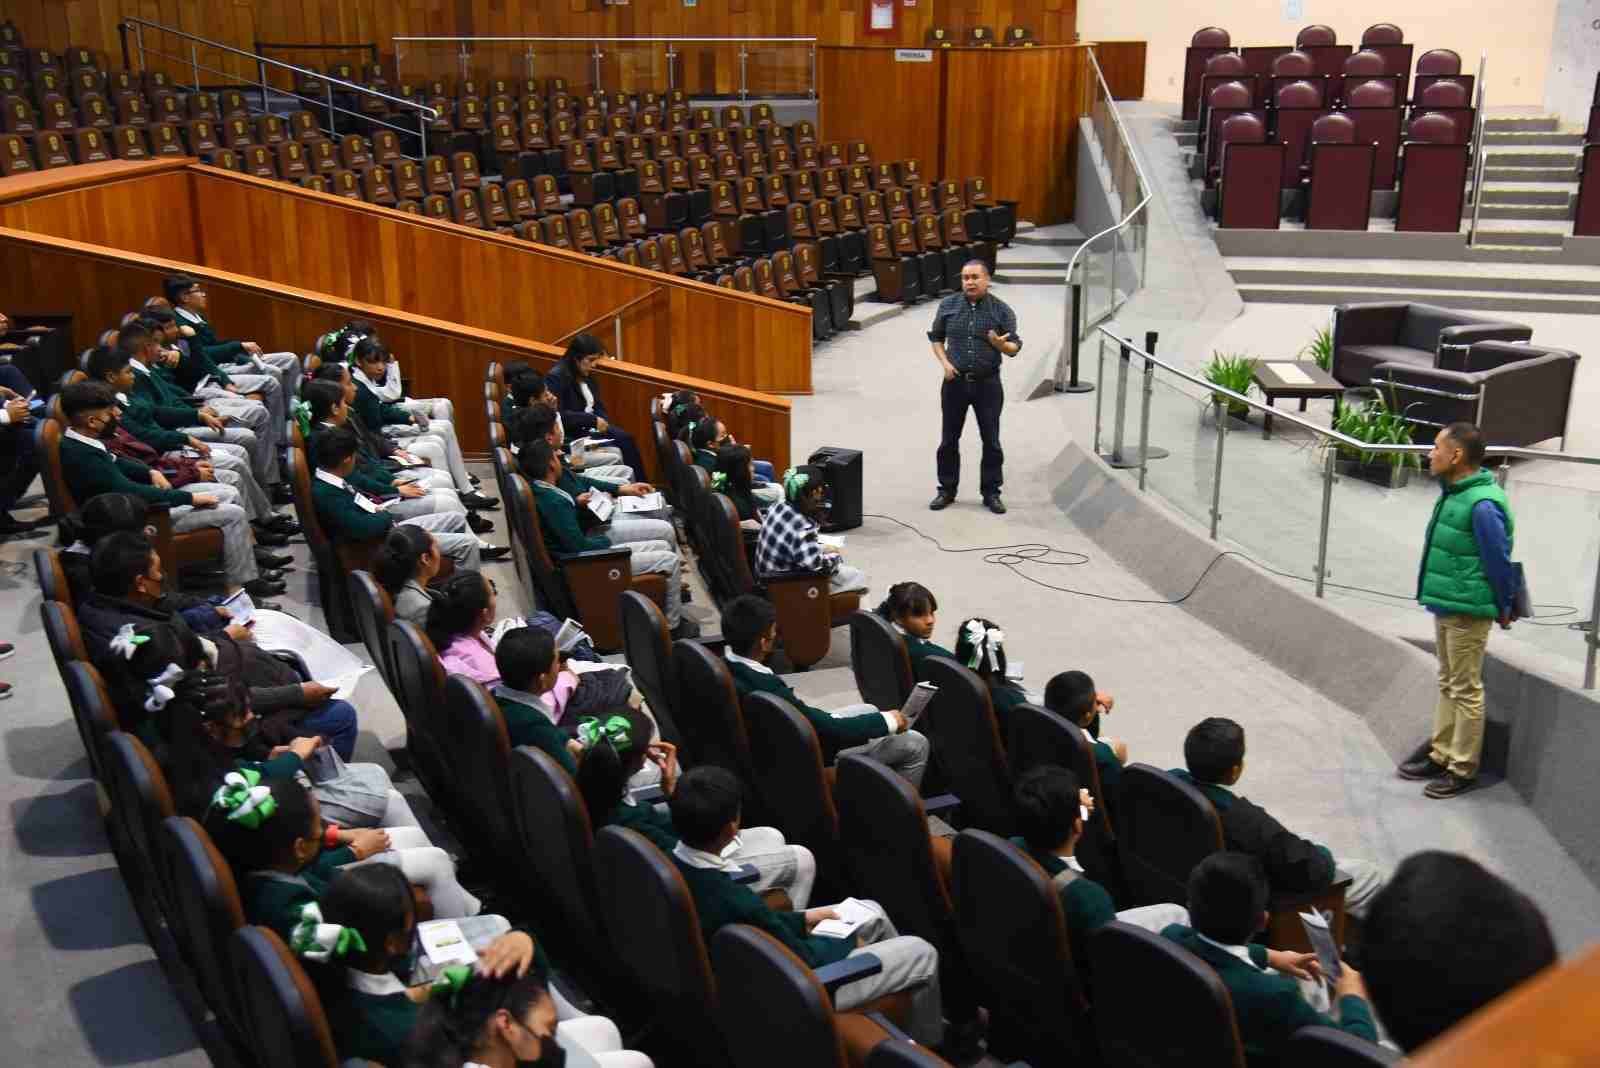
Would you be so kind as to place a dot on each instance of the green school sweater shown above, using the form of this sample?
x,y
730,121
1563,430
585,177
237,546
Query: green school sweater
x,y
1085,905
919,649
374,412
370,475
558,519
169,406
1109,767
834,732
1269,1008
206,342
343,518
373,1027
196,364
90,472
273,899
526,725
720,901
648,821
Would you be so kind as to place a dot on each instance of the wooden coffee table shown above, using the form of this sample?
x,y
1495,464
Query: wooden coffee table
x,y
1293,378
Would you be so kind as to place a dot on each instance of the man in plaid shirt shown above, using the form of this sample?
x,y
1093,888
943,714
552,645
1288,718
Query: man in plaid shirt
x,y
788,539
971,331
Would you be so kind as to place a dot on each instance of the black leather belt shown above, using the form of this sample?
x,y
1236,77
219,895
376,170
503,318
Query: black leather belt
x,y
974,376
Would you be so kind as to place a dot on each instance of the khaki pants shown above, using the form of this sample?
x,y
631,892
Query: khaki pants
x,y
1458,718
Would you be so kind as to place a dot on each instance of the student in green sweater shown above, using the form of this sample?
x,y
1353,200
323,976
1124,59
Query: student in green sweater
x,y
980,645
705,812
1072,694
540,423
348,514
707,435
615,748
734,477
1274,994
89,469
284,855
913,610
1050,806
189,302
528,665
750,627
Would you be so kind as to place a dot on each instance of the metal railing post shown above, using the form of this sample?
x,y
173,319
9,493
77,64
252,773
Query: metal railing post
x,y
813,71
138,40
1120,417
1099,376
744,65
1074,341
1592,636
1478,162
261,74
463,61
422,134
333,125
194,64
527,62
616,349
1328,456
596,56
672,57
1216,476
1144,420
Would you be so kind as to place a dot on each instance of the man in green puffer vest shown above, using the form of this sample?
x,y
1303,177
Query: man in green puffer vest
x,y
1468,582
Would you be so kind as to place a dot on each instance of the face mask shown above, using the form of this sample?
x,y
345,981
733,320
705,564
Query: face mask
x,y
550,1055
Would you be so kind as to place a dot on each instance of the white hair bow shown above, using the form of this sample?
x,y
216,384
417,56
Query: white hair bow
x,y
985,642
125,642
161,690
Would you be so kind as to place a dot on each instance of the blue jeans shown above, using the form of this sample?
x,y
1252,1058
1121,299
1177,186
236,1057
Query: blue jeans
x,y
336,722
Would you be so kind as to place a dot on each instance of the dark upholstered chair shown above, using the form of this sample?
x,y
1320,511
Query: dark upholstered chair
x,y
1371,94
1038,1011
1382,33
879,661
1293,64
1210,37
774,1010
1328,1047
647,642
1418,335
1439,61
1315,35
1365,62
960,723
903,1053
286,1022
1039,736
419,691
1519,394
206,913
139,802
53,585
473,732
712,720
374,611
1445,93
786,759
1134,969
656,933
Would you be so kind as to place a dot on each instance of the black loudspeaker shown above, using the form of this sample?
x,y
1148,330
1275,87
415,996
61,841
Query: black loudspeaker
x,y
843,470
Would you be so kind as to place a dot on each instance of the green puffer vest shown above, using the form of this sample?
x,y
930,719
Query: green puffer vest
x,y
1451,577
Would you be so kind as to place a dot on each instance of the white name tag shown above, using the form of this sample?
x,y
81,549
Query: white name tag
x,y
366,505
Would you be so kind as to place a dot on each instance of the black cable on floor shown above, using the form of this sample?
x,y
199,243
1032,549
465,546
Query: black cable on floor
x,y
1011,557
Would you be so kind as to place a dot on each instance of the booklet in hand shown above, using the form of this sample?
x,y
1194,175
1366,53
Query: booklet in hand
x,y
921,694
602,505
570,636
1316,925
852,914
241,609
650,502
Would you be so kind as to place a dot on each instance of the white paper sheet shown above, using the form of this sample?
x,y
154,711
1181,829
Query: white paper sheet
x,y
1291,375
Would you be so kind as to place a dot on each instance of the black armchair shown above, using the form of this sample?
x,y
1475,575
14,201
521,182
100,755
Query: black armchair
x,y
1518,394
1418,335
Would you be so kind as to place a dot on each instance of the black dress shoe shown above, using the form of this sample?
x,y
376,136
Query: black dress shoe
x,y
261,587
477,524
1423,768
475,480
270,559
1449,786
686,628
941,501
281,493
474,499
267,606
995,504
270,538
282,524
269,574
494,552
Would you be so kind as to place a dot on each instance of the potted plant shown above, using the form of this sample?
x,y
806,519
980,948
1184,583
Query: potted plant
x,y
1320,348
1375,423
1235,371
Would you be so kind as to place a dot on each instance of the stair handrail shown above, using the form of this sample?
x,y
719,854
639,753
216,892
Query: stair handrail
x,y
1480,124
1072,334
138,25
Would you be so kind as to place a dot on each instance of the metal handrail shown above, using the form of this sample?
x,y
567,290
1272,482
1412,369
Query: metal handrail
x,y
1325,432
141,23
625,40
615,315
1062,369
1482,123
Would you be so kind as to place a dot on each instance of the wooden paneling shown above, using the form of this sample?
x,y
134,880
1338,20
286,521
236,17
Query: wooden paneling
x,y
97,285
896,107
239,23
1122,63
139,206
1012,116
381,256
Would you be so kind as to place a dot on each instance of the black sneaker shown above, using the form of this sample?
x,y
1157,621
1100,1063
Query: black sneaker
x,y
270,538
941,501
686,628
477,524
268,558
281,524
261,588
494,552
1449,786
1424,767
281,493
474,499
994,504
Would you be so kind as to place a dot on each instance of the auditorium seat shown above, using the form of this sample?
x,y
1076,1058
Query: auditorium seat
x,y
960,723
1340,180
285,1017
1250,175
1439,61
1134,969
1315,35
1008,915
206,912
374,611
1298,105
879,661
1433,175
1224,68
1224,102
1328,1047
1039,736
898,274
1372,104
139,799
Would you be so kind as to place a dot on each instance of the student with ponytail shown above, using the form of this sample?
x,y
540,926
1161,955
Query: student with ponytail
x,y
617,745
789,529
734,478
406,562
913,610
980,645
284,855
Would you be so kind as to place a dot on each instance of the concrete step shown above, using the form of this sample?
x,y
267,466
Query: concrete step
x,y
1467,300
1551,238
1542,212
1531,138
1428,277
1052,275
1561,173
1524,195
1551,158
1522,122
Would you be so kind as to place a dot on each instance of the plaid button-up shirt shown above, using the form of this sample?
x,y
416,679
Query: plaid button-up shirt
x,y
788,542
964,325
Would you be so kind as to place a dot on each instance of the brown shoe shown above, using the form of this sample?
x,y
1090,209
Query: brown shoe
x,y
1450,786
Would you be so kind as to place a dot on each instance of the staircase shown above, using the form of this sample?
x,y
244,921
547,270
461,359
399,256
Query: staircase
x,y
1520,263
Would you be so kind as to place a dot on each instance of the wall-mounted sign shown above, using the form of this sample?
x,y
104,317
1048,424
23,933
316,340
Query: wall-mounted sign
x,y
913,55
